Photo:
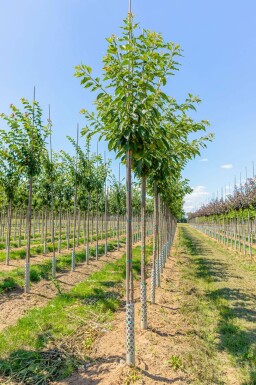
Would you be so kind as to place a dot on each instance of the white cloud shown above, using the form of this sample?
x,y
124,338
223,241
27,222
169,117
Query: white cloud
x,y
204,160
188,208
227,166
193,200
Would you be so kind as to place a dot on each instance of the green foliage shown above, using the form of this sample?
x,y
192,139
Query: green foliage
x,y
25,139
134,113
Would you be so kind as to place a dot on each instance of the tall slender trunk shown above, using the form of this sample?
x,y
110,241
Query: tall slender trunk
x,y
45,233
143,288
106,221
84,232
78,228
8,234
20,227
60,230
158,242
15,226
155,247
27,264
73,260
53,240
97,227
130,341
88,230
118,234
33,224
68,229
92,226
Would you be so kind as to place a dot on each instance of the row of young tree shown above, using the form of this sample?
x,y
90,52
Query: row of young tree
x,y
60,193
230,220
147,129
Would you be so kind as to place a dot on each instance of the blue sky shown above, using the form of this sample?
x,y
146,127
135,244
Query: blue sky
x,y
42,40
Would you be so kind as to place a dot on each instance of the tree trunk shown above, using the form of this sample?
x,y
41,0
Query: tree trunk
x,y
20,227
53,240
73,261
106,222
97,227
8,234
15,226
45,233
130,342
143,288
60,230
27,265
68,229
88,231
155,247
78,228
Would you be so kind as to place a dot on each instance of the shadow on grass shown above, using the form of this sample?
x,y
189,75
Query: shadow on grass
x,y
233,305
194,246
240,342
211,270
206,268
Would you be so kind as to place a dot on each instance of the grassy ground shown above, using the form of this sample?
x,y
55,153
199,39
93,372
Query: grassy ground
x,y
37,247
15,278
218,298
50,342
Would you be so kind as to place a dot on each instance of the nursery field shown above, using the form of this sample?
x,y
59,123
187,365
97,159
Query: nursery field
x,y
94,276
201,329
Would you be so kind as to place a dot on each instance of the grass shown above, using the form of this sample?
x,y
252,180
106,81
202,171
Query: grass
x,y
14,279
50,342
37,249
220,329
175,362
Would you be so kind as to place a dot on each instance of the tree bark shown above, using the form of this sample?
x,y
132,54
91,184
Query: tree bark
x,y
130,343
27,265
143,256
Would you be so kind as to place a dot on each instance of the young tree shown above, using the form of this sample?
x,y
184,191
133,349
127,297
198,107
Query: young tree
x,y
26,140
134,69
130,104
9,181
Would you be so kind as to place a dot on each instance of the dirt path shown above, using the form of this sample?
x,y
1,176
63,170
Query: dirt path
x,y
14,304
201,330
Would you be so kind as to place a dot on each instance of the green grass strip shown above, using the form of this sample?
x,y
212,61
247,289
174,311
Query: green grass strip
x,y
14,279
39,248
